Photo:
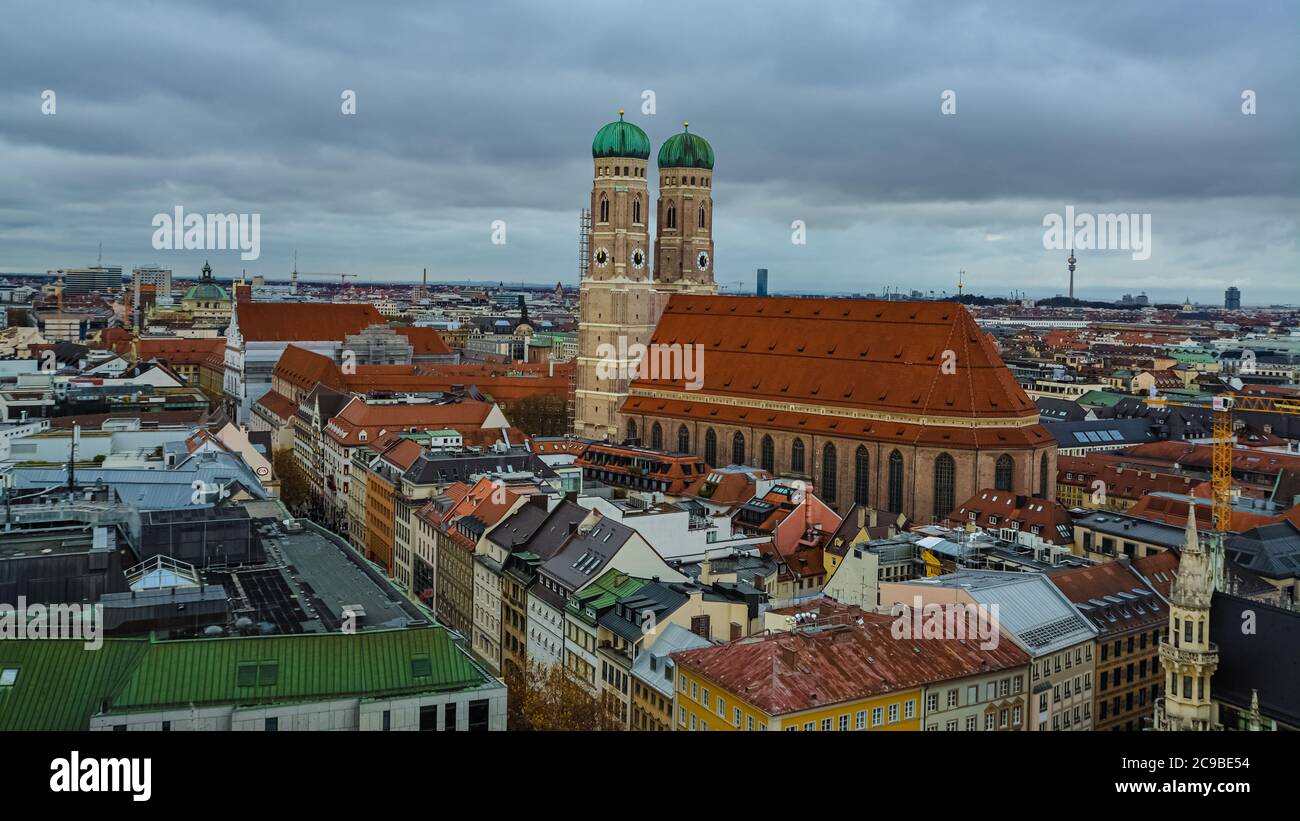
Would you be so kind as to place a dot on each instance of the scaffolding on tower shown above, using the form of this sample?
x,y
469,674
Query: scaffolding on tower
x,y
584,243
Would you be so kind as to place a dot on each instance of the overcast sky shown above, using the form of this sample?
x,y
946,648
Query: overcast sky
x,y
825,113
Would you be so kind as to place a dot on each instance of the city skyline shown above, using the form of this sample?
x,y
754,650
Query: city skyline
x,y
841,127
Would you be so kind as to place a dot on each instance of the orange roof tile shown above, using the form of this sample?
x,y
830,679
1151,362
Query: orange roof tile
x,y
997,509
303,321
403,453
306,369
1174,512
281,406
863,354
179,351
803,670
424,340
466,418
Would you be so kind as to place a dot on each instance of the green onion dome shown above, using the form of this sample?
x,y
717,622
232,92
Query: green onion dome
x,y
686,150
621,139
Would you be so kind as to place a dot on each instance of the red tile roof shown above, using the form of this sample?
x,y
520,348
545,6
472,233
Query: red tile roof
x,y
1174,512
1159,569
466,418
861,355
424,341
1091,585
571,447
636,466
1121,482
503,382
403,453
997,509
726,487
802,670
279,405
485,501
1201,456
306,369
303,321
179,351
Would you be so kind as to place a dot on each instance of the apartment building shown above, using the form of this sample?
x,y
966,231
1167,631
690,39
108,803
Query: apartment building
x,y
1129,615
1036,616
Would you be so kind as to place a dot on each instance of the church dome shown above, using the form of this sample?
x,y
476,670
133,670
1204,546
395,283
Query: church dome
x,y
686,150
207,289
621,139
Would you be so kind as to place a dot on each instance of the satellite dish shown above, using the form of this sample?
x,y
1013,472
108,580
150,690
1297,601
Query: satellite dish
x,y
1235,383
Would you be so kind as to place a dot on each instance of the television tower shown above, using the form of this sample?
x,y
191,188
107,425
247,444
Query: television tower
x,y
1070,263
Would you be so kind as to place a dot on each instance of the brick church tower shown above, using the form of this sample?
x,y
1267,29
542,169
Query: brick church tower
x,y
617,307
684,218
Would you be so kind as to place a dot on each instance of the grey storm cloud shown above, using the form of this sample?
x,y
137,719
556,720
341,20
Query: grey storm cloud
x,y
825,113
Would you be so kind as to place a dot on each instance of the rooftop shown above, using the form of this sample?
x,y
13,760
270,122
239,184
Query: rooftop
x,y
814,668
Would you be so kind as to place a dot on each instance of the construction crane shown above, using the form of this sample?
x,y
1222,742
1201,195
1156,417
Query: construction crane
x,y
1222,407
343,278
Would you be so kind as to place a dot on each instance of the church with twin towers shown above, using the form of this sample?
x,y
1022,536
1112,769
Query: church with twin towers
x,y
904,407
627,280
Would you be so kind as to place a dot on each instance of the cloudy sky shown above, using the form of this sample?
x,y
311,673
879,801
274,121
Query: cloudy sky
x,y
826,113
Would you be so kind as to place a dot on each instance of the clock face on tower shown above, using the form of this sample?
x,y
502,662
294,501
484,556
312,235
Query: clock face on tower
x,y
602,257
638,258
702,261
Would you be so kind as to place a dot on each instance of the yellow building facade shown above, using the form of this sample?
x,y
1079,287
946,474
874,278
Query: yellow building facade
x,y
703,705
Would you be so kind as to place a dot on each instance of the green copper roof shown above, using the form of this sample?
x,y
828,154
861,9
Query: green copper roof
x,y
1104,399
60,685
603,593
209,291
686,150
621,139
309,667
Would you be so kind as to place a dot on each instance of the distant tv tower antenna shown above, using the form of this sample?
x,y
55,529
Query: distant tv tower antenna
x,y
293,285
1070,263
961,282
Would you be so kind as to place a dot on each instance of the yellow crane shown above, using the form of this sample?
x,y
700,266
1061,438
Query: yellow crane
x,y
1222,407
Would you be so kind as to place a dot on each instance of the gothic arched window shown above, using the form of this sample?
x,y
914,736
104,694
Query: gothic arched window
x,y
861,476
657,437
701,216
895,482
796,456
636,210
683,440
671,220
1042,475
738,449
711,448
1002,473
604,209
945,476
829,470
768,460
631,430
